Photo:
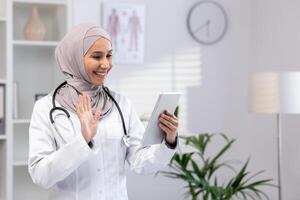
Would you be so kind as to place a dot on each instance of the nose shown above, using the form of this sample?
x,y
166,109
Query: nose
x,y
105,64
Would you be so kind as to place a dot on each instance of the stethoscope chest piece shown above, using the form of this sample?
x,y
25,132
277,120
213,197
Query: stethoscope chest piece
x,y
106,90
126,140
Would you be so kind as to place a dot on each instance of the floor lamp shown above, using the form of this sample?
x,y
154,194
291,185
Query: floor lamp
x,y
275,93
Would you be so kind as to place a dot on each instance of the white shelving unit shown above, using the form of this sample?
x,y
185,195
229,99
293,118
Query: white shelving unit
x,y
46,2
4,161
31,66
2,137
21,121
3,167
25,189
35,43
2,41
20,163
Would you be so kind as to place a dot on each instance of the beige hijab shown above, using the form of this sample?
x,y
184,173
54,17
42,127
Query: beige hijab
x,y
69,55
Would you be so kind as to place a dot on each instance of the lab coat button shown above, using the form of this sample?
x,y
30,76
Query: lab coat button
x,y
98,170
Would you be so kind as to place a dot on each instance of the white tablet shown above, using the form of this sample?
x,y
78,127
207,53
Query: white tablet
x,y
166,101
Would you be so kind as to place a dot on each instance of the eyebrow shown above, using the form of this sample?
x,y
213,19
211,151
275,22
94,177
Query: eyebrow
x,y
101,52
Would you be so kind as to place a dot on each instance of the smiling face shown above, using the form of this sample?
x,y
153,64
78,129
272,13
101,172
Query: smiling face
x,y
98,61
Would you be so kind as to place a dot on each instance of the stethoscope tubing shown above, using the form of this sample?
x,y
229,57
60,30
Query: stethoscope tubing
x,y
106,90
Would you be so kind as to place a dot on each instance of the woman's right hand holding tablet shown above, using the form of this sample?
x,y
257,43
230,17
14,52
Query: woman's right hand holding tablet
x,y
88,120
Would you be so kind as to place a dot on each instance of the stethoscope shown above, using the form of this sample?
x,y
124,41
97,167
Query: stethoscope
x,y
106,90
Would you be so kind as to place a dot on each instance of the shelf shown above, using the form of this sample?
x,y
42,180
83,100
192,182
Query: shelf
x,y
21,121
45,2
20,163
35,43
53,16
24,188
28,67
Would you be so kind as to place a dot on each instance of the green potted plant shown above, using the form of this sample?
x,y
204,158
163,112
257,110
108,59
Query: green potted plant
x,y
199,171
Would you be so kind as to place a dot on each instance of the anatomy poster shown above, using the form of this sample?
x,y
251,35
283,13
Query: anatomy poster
x,y
126,25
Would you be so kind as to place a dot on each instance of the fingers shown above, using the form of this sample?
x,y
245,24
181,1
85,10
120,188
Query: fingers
x,y
79,106
169,119
84,103
168,123
88,99
97,116
84,106
165,128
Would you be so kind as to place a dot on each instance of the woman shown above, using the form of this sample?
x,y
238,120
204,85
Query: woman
x,y
84,158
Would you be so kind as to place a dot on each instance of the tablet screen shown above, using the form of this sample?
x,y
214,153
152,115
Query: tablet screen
x,y
166,101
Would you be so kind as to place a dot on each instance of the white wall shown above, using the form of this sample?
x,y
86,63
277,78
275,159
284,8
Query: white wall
x,y
262,35
277,40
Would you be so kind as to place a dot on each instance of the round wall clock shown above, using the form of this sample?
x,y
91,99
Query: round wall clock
x,y
207,22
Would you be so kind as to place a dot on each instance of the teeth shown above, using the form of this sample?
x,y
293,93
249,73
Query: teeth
x,y
99,73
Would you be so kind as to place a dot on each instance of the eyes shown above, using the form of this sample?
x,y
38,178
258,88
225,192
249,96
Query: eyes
x,y
99,56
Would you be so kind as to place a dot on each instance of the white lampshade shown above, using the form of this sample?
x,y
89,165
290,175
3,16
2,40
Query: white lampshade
x,y
274,92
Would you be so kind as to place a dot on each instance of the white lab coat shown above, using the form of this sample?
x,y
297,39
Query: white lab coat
x,y
72,170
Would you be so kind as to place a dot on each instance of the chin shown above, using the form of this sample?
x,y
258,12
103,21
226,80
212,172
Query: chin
x,y
97,83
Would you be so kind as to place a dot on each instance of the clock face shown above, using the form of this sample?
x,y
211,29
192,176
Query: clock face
x,y
207,22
